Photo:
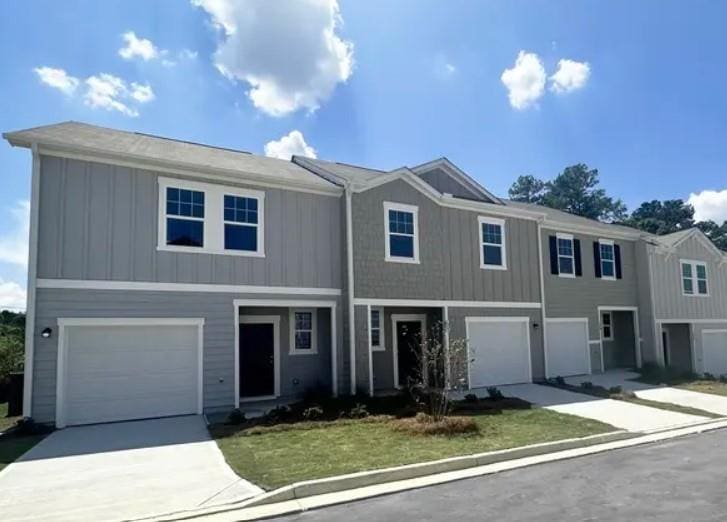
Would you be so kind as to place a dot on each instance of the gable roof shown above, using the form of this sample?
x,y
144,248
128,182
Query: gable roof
x,y
83,138
339,173
673,240
457,175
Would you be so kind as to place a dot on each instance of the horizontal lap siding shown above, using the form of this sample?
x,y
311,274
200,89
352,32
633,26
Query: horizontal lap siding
x,y
100,222
219,335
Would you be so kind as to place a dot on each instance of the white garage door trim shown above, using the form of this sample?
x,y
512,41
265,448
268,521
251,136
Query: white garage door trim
x,y
705,332
587,347
75,321
526,320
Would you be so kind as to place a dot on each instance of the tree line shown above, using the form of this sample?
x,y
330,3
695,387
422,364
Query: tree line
x,y
576,190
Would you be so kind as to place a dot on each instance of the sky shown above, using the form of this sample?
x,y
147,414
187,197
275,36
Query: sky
x,y
502,89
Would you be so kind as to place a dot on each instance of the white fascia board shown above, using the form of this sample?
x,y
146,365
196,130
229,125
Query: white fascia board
x,y
557,226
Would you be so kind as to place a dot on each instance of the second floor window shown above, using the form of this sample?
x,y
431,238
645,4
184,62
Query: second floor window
x,y
608,260
185,217
492,243
402,242
694,278
566,257
241,223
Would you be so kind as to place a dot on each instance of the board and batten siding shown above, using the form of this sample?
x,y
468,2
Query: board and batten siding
x,y
219,339
449,244
669,302
99,221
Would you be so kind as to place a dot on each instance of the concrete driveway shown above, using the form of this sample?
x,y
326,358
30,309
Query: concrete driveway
x,y
120,471
621,414
625,379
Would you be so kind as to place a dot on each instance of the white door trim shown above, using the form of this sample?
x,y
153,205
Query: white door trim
x,y
402,318
62,356
524,319
585,321
258,319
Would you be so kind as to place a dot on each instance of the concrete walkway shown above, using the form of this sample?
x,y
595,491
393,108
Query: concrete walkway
x,y
621,414
120,471
703,401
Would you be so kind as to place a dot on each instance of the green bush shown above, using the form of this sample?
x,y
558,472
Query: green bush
x,y
12,342
494,392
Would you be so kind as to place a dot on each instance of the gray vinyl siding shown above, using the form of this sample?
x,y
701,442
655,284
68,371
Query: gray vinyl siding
x,y
219,339
669,301
581,296
446,184
449,244
99,221
650,336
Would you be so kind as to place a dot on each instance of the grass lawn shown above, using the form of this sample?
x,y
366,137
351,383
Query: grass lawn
x,y
713,387
694,384
673,407
5,421
307,451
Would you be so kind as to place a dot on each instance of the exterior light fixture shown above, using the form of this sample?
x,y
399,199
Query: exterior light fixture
x,y
46,333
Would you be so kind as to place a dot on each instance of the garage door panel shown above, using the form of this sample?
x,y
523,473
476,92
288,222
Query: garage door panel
x,y
568,349
500,351
130,372
714,352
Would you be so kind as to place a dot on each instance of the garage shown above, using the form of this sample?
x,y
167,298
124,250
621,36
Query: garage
x,y
123,369
567,347
499,350
714,351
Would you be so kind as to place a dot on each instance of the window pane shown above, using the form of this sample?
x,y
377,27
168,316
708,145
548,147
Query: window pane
x,y
492,255
607,268
606,319
303,320
241,237
688,288
566,265
701,272
491,233
189,203
702,286
302,340
607,332
240,209
375,319
185,196
687,270
401,246
172,194
185,232
376,337
607,252
401,222
565,247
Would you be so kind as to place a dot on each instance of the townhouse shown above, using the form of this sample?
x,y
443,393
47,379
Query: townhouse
x,y
167,277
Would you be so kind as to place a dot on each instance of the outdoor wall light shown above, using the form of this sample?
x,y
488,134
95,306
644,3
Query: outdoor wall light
x,y
536,326
45,334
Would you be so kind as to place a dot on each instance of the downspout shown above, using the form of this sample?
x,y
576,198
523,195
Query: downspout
x,y
349,266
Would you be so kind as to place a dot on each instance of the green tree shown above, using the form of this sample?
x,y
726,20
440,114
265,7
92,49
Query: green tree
x,y
662,217
12,342
716,233
527,189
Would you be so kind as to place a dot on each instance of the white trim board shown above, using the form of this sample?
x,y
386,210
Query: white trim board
x,y
362,301
695,321
292,350
74,322
257,319
96,284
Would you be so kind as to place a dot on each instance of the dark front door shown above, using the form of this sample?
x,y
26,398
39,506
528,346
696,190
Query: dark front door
x,y
257,359
408,346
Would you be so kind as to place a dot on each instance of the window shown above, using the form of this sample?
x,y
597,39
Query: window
x,y
492,243
185,217
608,259
607,326
402,242
303,332
566,258
377,330
241,223
694,278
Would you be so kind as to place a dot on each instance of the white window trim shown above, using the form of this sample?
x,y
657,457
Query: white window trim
x,y
313,336
481,220
613,249
382,344
214,217
610,326
402,208
568,237
695,281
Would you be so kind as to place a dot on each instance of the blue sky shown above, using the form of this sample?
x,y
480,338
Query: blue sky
x,y
383,84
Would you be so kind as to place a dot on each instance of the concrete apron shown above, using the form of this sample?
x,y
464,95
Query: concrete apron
x,y
346,488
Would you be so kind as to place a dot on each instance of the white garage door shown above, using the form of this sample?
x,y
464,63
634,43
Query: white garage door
x,y
500,350
714,351
567,350
128,371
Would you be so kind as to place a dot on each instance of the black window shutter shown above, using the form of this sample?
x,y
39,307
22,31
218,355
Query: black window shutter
x,y
577,255
597,258
617,256
553,255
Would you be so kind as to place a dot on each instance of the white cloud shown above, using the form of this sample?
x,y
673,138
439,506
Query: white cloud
x,y
12,296
109,92
14,243
188,54
525,82
58,79
709,204
287,146
136,46
570,76
288,52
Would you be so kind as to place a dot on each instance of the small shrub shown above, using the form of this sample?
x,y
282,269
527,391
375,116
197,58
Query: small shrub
x,y
471,397
615,390
424,424
587,385
235,417
723,378
494,392
359,411
314,412
709,377
560,381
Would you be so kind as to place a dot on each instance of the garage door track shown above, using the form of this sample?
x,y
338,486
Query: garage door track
x,y
120,471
